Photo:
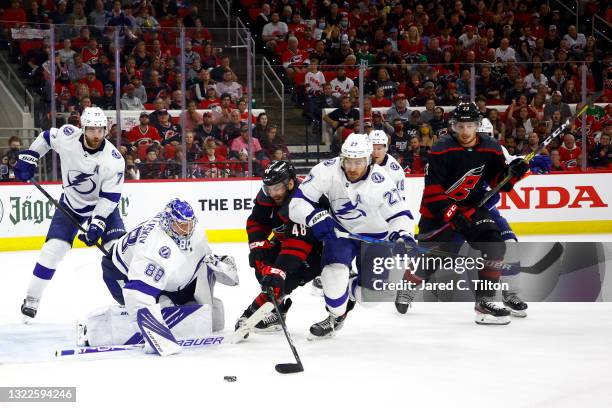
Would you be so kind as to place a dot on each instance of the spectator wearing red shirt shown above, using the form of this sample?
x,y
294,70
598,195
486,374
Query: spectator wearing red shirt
x,y
143,133
293,58
91,53
212,100
569,152
212,159
15,16
379,100
96,89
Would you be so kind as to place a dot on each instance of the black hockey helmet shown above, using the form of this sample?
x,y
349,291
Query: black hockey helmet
x,y
466,112
279,171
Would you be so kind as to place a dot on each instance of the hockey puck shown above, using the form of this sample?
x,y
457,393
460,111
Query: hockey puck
x,y
230,378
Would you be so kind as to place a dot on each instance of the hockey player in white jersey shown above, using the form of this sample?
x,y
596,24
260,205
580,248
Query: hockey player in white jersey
x,y
92,178
380,146
164,261
364,201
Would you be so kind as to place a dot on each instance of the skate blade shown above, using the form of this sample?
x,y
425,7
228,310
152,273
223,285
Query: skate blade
x,y
518,313
269,330
27,319
485,319
312,337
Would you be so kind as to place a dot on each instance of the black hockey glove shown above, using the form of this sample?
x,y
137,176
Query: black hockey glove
x,y
272,277
260,252
518,168
459,220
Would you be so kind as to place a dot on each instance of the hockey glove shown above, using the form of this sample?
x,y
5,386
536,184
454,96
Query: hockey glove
x,y
94,231
460,221
322,225
518,168
272,277
402,237
260,252
27,162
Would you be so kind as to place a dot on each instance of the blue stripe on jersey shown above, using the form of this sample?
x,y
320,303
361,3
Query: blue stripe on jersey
x,y
85,210
118,257
142,287
337,302
300,194
47,137
114,197
407,213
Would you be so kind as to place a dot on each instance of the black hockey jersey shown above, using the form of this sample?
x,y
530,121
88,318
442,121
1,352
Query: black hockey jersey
x,y
457,175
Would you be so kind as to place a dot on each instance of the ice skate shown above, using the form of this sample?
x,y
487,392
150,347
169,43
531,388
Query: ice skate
x,y
488,312
515,304
29,307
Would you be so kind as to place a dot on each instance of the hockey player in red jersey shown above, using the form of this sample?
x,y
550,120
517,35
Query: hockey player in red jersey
x,y
291,258
459,165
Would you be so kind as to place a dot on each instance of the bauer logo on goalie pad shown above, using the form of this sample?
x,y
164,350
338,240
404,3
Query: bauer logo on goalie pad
x,y
164,252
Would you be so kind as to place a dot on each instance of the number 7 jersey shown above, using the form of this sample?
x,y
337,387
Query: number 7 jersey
x,y
370,206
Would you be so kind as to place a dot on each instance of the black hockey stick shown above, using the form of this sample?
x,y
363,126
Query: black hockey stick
x,y
67,213
286,368
527,159
507,269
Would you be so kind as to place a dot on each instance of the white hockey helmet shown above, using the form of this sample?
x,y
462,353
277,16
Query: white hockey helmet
x,y
485,128
379,137
93,117
356,146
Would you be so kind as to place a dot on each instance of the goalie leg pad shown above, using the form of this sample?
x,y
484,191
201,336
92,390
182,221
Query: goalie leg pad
x,y
158,337
218,315
113,325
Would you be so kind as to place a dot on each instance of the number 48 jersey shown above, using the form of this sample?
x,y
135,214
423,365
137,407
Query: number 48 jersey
x,y
457,175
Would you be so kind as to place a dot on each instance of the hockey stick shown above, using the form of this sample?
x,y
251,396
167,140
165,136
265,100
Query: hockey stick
x,y
187,343
286,368
66,213
527,159
243,331
508,269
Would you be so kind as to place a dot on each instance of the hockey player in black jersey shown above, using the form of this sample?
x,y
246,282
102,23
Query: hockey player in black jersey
x,y
291,258
459,165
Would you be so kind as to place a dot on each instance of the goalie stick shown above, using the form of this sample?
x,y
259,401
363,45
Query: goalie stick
x,y
233,338
508,269
527,159
286,368
187,343
66,213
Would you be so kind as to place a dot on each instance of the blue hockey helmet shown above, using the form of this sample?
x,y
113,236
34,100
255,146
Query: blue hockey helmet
x,y
179,220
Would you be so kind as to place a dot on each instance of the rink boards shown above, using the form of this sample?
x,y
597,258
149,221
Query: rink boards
x,y
541,204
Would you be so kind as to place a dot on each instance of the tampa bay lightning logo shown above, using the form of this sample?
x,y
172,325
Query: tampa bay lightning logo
x,y
68,130
395,166
377,177
116,154
329,162
349,211
164,252
81,182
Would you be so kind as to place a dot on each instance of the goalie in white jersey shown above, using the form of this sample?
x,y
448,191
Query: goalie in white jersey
x,y
380,146
92,178
363,200
164,261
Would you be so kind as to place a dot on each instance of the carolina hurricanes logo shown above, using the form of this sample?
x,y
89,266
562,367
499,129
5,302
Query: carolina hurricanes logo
x,y
349,211
462,187
81,180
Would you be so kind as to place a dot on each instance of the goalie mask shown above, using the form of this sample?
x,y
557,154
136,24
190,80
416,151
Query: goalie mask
x,y
178,221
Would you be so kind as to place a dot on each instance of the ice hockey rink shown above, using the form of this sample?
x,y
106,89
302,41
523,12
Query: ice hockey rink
x,y
559,356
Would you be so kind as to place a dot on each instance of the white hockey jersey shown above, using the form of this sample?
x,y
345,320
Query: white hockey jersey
x,y
153,262
92,179
395,171
370,206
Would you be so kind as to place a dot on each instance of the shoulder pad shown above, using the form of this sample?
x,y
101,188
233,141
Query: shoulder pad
x,y
165,252
395,166
263,199
444,143
68,130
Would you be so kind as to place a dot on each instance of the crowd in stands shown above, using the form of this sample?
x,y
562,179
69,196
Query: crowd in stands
x,y
527,58
150,81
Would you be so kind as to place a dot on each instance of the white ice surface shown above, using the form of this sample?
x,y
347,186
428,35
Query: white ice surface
x,y
435,356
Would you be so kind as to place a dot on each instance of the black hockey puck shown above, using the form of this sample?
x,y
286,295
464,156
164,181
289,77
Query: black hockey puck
x,y
230,378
